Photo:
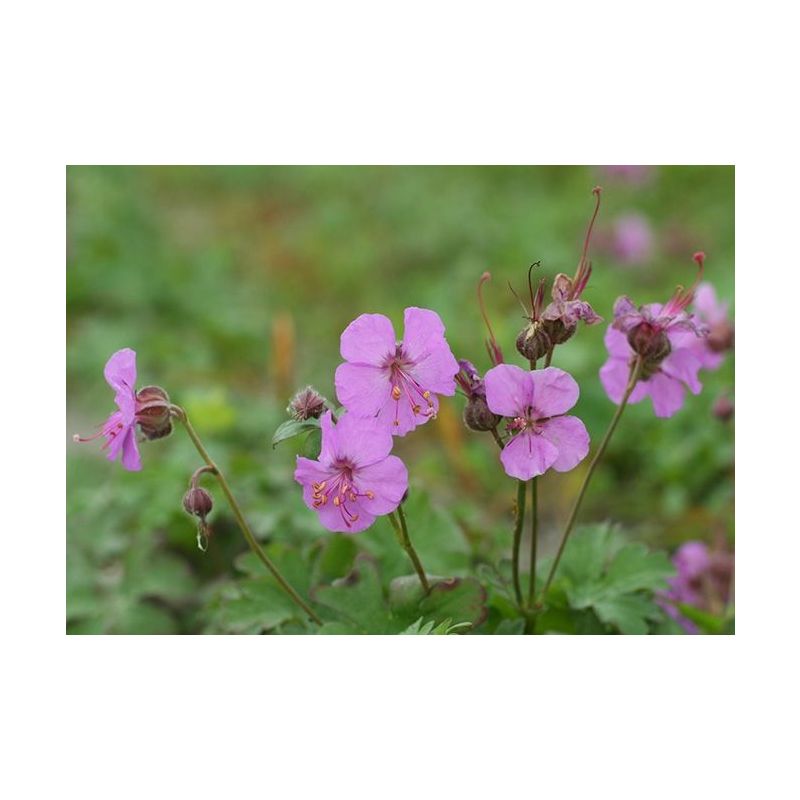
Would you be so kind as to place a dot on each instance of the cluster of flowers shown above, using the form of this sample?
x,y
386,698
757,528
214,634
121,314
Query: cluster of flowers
x,y
389,386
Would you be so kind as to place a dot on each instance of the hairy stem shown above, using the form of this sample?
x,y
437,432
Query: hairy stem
x,y
180,414
497,438
633,377
401,530
520,518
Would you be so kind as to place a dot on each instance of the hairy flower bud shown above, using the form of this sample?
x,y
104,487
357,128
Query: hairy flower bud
x,y
651,343
308,403
534,342
153,412
198,502
478,417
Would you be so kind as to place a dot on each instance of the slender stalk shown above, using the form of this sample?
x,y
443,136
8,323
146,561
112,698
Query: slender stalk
x,y
633,377
534,540
520,518
237,513
497,438
549,357
401,530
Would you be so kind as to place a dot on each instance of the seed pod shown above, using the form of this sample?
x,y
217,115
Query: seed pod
x,y
478,417
198,502
308,403
153,412
558,331
650,343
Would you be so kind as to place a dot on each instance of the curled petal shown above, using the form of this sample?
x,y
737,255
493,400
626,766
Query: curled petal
x,y
626,315
120,374
570,438
528,455
554,391
368,339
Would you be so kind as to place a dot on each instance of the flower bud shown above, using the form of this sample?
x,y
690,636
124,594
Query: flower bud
x,y
533,342
723,408
720,337
478,417
650,343
153,412
308,403
198,502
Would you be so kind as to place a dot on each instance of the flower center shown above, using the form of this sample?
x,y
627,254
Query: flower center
x,y
405,388
340,490
529,420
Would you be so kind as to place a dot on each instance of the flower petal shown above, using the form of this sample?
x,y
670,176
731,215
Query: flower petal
x,y
683,365
614,376
437,370
387,480
362,389
398,416
509,390
527,455
554,391
368,339
308,472
708,307
120,374
570,438
666,393
362,441
423,331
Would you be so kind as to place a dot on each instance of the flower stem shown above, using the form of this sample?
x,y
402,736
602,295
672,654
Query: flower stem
x,y
520,517
534,540
237,512
497,438
401,530
633,377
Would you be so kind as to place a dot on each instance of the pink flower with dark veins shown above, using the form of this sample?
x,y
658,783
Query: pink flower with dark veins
x,y
355,479
119,429
536,403
396,382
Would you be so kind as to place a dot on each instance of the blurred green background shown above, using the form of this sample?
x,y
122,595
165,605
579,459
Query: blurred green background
x,y
233,285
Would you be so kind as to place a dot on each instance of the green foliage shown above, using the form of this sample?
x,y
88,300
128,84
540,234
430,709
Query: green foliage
x,y
444,628
293,427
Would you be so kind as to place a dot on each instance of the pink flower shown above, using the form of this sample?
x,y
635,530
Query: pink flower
x,y
396,382
541,436
119,429
668,371
355,479
632,239
635,174
714,314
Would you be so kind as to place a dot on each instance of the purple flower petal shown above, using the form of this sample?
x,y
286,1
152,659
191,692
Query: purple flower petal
x,y
434,365
362,389
683,365
399,418
570,438
130,451
666,393
554,391
387,480
509,390
368,339
527,455
360,440
120,374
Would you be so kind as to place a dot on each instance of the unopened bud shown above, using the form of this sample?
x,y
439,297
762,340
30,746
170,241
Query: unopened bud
x,y
198,502
308,403
153,412
533,342
723,408
650,343
478,417
720,337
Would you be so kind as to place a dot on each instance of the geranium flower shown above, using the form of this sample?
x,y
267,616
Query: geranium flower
x,y
665,339
355,479
632,239
714,314
119,429
541,436
396,382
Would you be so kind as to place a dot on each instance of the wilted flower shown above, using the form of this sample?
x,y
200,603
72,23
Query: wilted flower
x,y
703,580
149,409
477,415
355,479
396,382
308,403
541,435
714,314
632,239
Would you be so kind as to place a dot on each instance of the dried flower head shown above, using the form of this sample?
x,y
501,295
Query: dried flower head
x,y
308,403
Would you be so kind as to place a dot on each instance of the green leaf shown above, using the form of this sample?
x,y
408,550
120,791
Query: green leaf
x,y
292,428
634,568
445,628
461,599
627,612
708,623
251,606
335,559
